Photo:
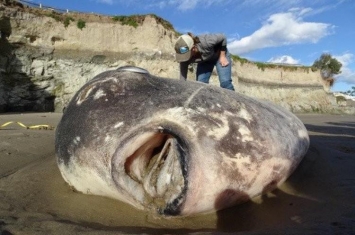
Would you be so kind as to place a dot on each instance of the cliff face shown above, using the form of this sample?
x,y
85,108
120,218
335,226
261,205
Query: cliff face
x,y
43,62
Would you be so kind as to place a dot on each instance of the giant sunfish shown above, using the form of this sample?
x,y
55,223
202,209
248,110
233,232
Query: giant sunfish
x,y
174,147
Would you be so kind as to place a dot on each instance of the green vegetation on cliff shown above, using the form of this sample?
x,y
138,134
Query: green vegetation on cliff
x,y
136,20
263,65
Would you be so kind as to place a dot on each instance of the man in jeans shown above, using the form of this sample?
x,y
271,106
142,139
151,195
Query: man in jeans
x,y
207,50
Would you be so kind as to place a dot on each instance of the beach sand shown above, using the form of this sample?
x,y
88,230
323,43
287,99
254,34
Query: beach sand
x,y
319,198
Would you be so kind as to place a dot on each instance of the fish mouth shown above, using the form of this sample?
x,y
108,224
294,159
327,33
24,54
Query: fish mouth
x,y
158,165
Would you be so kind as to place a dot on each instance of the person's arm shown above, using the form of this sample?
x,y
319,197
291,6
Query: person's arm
x,y
222,55
183,70
223,59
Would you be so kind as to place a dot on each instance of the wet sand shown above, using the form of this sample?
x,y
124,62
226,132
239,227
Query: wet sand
x,y
319,198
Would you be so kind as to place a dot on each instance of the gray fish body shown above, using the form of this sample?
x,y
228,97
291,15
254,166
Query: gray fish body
x,y
174,147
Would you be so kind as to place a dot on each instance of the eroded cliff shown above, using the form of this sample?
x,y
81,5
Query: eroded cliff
x,y
44,60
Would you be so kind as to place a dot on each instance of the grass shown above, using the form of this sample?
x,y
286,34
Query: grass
x,y
137,20
67,21
262,66
81,24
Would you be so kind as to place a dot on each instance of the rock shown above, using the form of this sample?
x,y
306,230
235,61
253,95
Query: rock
x,y
43,63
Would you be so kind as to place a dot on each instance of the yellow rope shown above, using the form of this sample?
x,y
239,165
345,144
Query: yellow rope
x,y
40,127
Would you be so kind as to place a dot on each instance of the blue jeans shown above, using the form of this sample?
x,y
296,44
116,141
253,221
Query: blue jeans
x,y
204,71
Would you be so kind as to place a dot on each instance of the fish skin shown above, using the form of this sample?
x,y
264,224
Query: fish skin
x,y
174,147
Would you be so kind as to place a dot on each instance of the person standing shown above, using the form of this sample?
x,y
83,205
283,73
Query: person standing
x,y
208,51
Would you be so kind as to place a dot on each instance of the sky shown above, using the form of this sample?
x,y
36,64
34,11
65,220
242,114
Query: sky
x,y
275,31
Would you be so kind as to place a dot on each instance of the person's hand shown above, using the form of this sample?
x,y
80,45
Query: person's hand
x,y
223,61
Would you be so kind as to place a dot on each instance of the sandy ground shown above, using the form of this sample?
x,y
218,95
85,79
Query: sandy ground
x,y
319,198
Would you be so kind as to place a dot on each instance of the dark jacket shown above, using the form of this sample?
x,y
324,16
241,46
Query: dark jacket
x,y
210,46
